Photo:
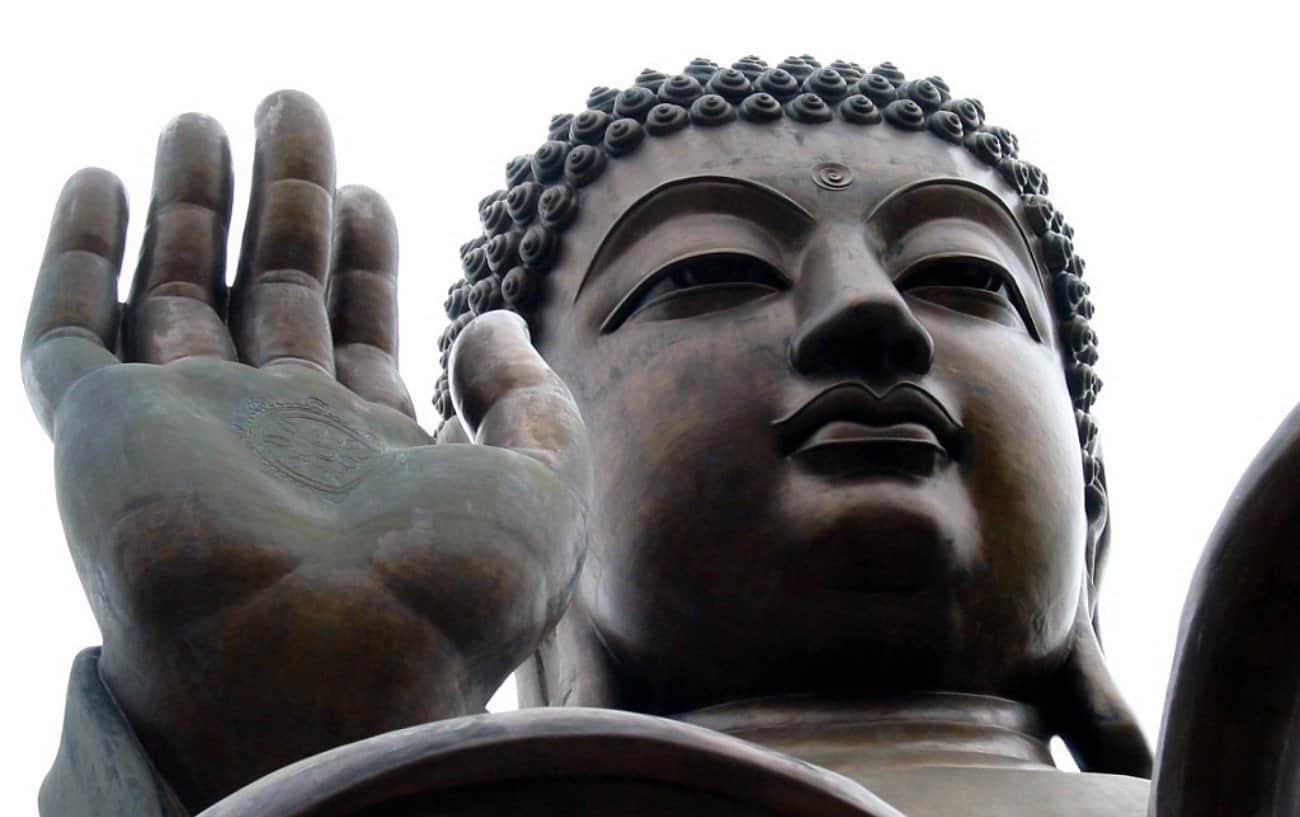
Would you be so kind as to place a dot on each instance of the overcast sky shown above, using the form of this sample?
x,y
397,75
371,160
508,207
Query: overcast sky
x,y
1166,134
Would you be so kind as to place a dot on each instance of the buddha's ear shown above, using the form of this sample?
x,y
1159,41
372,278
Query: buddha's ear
x,y
1085,708
451,431
1097,507
571,667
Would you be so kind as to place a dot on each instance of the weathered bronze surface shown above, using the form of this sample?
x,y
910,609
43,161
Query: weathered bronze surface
x,y
778,382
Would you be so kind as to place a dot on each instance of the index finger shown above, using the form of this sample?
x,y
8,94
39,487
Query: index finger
x,y
362,299
72,325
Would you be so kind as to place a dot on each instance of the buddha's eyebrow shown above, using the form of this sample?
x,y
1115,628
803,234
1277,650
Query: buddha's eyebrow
x,y
937,198
743,198
947,197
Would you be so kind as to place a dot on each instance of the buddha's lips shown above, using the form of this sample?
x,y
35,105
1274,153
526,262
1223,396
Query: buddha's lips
x,y
850,413
839,433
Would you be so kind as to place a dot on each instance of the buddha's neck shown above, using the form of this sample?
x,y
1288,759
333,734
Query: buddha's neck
x,y
862,737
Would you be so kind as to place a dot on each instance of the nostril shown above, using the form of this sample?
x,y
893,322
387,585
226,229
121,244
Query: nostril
x,y
914,353
792,355
874,335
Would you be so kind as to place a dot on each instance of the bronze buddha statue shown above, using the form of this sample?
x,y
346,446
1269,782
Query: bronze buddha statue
x,y
787,442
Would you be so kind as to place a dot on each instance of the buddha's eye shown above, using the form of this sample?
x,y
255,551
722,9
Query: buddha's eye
x,y
975,286
697,285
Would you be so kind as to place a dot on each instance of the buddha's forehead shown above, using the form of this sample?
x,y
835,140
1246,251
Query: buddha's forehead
x,y
786,156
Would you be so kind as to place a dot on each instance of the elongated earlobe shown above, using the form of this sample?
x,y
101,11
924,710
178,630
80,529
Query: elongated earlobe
x,y
1086,709
571,668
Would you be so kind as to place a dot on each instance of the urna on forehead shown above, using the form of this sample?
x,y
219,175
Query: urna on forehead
x,y
834,170
785,176
524,222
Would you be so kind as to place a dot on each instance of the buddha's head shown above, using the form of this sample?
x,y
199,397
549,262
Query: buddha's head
x,y
830,341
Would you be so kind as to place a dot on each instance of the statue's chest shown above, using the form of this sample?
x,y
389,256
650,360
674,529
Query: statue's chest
x,y
1008,792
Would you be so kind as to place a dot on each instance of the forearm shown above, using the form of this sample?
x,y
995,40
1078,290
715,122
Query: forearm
x,y
1229,732
244,694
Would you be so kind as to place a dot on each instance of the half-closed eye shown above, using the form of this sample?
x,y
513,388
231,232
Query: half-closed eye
x,y
972,285
697,285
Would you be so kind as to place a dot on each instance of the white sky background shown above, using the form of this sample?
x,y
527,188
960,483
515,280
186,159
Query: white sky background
x,y
1166,134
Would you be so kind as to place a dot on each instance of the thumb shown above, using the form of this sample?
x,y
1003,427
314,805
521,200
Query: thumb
x,y
506,396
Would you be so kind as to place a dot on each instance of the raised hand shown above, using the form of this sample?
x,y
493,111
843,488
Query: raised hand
x,y
278,557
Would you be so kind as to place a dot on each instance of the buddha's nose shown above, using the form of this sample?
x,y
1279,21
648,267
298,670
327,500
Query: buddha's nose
x,y
853,320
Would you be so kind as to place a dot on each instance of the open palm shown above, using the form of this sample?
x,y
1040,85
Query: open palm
x,y
279,558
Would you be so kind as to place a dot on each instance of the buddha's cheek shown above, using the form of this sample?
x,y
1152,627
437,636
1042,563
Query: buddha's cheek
x,y
1023,476
688,474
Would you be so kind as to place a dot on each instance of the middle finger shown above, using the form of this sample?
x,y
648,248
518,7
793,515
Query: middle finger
x,y
277,311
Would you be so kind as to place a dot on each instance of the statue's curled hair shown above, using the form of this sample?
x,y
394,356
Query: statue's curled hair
x,y
506,266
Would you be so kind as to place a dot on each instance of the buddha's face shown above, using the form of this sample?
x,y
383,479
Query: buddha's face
x,y
833,442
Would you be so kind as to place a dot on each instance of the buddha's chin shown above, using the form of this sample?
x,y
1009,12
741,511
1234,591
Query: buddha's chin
x,y
883,533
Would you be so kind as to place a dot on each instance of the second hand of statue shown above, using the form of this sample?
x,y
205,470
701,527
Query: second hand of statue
x,y
246,494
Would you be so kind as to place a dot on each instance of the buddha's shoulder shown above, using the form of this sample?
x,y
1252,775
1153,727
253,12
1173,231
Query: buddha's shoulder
x,y
577,762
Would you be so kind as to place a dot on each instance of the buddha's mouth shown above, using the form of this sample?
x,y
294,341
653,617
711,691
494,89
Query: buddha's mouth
x,y
839,433
850,426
